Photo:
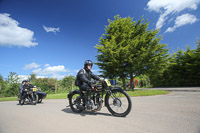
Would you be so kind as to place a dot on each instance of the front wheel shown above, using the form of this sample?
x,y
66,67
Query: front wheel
x,y
118,103
39,100
34,99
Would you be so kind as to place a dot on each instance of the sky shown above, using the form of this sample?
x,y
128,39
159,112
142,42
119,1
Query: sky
x,y
53,38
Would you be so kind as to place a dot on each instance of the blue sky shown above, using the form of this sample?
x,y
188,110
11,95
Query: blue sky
x,y
53,38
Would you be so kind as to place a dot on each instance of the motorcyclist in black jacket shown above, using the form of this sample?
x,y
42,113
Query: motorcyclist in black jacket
x,y
27,85
85,76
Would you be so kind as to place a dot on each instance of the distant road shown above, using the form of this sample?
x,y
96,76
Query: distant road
x,y
177,112
188,89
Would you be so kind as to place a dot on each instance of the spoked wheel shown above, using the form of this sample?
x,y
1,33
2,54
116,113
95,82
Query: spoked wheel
x,y
119,103
76,103
35,99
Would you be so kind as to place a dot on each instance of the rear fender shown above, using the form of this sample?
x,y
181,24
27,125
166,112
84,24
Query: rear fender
x,y
74,92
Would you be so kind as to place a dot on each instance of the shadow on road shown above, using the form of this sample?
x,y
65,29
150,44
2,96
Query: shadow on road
x,y
84,113
28,104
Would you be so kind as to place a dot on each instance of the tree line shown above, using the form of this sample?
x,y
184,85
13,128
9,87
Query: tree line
x,y
10,86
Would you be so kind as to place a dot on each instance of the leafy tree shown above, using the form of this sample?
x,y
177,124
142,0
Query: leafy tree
x,y
66,83
47,85
2,84
33,77
183,69
128,49
12,85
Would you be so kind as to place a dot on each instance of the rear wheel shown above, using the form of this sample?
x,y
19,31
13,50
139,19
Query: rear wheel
x,y
76,103
118,103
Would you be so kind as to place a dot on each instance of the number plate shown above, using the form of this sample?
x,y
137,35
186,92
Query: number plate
x,y
107,82
34,89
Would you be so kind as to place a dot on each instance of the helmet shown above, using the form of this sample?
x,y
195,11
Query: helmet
x,y
24,81
88,62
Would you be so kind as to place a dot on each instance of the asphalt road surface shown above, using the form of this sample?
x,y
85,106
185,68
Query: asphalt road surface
x,y
177,112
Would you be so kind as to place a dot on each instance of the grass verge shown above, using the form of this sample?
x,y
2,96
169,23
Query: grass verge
x,y
8,99
146,92
57,96
130,92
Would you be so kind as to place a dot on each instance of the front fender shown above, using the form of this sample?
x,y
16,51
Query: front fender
x,y
74,92
109,93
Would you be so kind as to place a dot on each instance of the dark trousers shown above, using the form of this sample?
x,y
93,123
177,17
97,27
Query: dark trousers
x,y
20,94
88,90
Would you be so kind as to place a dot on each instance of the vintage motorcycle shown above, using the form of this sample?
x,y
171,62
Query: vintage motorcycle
x,y
117,101
30,96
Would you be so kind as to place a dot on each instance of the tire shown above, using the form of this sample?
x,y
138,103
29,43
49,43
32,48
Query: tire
x,y
75,102
118,103
21,102
39,100
35,99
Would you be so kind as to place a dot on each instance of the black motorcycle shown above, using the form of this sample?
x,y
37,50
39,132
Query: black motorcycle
x,y
29,96
117,100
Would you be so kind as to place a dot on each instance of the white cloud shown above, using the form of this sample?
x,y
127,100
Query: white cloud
x,y
23,77
51,29
182,20
31,66
46,70
13,35
46,65
167,7
27,77
52,71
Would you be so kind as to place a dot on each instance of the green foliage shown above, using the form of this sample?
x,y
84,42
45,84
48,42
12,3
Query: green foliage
x,y
47,85
183,69
66,84
143,81
128,49
10,87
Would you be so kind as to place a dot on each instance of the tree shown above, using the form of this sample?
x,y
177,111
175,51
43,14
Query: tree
x,y
2,84
12,85
13,78
66,83
33,77
128,49
183,69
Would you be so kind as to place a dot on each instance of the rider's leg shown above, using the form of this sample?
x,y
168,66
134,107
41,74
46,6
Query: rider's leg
x,y
88,90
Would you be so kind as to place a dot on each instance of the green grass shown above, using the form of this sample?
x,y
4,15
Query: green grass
x,y
146,92
8,99
57,96
131,93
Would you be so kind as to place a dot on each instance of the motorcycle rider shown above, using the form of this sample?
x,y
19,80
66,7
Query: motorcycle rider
x,y
21,89
84,76
28,85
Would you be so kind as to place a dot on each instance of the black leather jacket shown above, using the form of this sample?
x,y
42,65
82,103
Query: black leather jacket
x,y
86,76
27,86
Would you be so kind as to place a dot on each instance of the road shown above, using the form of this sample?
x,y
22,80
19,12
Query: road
x,y
177,112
